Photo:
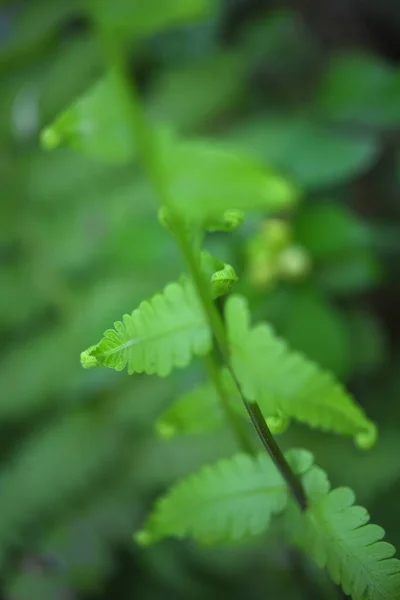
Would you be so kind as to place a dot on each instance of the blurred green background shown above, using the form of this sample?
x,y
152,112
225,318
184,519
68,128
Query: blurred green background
x,y
312,88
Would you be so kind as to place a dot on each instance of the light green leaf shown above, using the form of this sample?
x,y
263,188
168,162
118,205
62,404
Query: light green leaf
x,y
206,180
338,536
163,333
225,502
95,124
140,19
199,410
284,381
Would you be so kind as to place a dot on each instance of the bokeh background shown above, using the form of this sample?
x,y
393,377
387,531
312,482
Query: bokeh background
x,y
313,88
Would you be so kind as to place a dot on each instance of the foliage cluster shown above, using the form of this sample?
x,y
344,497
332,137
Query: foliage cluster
x,y
82,246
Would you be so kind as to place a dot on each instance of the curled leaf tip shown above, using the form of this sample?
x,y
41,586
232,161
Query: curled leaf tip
x,y
278,423
222,281
143,538
367,439
230,220
88,361
49,138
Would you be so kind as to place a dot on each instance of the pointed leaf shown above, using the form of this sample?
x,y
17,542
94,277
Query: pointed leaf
x,y
224,502
163,333
207,180
282,380
338,536
95,125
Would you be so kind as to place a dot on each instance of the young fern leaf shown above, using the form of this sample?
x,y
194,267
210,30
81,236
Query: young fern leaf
x,y
222,277
163,333
284,381
338,536
225,502
199,410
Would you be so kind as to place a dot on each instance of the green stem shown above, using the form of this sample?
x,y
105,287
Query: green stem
x,y
143,136
232,418
252,408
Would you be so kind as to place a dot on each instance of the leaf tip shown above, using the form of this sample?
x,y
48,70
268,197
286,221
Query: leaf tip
x,y
143,538
49,138
368,438
88,360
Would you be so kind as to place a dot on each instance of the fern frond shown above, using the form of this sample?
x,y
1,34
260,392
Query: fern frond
x,y
224,502
338,536
284,381
199,410
163,333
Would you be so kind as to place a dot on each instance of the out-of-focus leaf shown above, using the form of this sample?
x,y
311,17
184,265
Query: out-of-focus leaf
x,y
140,19
355,273
200,409
33,24
360,88
367,338
95,124
314,327
73,67
329,230
36,361
313,154
196,94
206,180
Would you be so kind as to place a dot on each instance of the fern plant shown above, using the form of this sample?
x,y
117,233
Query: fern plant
x,y
252,374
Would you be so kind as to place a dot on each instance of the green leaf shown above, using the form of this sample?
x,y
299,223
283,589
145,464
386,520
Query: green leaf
x,y
356,273
338,536
206,180
95,124
329,230
199,410
327,342
360,88
224,502
282,381
195,94
163,333
313,154
140,19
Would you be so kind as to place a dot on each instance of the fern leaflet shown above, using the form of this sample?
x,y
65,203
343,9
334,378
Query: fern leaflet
x,y
282,381
337,535
163,333
224,502
199,410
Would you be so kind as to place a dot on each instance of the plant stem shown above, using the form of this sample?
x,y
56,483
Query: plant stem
x,y
252,408
143,138
232,418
